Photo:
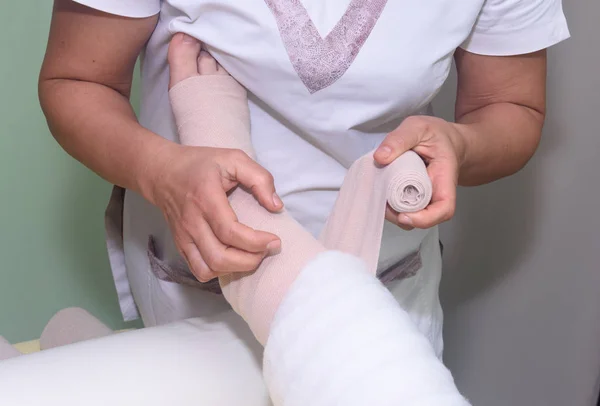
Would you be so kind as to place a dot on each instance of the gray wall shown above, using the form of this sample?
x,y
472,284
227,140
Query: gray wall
x,y
521,286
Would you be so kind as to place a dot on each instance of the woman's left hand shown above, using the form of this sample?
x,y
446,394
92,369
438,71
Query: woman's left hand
x,y
441,145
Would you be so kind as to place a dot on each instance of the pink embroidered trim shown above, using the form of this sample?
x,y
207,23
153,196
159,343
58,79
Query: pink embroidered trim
x,y
319,61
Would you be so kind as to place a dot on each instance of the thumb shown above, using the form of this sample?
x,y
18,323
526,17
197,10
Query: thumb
x,y
404,138
260,182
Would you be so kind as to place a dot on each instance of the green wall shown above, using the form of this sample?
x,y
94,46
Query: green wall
x,y
51,223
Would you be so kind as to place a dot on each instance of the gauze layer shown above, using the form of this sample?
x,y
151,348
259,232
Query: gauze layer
x,y
340,338
212,111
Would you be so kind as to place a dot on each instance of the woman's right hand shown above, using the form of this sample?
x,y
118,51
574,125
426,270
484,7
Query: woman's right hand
x,y
89,71
190,185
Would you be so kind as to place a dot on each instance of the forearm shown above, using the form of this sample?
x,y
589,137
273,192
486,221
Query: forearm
x,y
497,141
97,126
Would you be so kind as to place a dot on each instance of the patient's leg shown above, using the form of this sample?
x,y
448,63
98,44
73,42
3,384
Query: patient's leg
x,y
211,110
334,334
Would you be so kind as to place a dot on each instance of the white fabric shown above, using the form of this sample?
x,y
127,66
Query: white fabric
x,y
340,338
191,362
526,26
308,140
163,302
126,8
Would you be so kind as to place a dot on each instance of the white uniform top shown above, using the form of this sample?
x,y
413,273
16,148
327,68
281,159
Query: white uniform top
x,y
328,79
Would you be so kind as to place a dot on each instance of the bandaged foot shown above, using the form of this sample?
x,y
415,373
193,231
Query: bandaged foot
x,y
211,110
303,302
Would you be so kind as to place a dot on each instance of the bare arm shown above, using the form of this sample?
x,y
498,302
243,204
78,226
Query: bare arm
x,y
84,90
500,109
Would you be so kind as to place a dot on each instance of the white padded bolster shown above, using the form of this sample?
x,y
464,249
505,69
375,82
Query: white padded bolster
x,y
340,338
185,363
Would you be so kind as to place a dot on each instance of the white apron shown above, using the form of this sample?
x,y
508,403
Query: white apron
x,y
327,81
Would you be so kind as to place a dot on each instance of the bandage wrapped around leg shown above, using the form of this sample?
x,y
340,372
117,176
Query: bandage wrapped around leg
x,y
212,111
333,333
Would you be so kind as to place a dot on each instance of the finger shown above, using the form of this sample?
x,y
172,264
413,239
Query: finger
x,y
443,201
225,225
220,258
197,265
391,215
404,138
434,214
258,180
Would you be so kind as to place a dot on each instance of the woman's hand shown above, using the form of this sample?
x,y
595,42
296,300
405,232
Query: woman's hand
x,y
441,145
500,110
190,185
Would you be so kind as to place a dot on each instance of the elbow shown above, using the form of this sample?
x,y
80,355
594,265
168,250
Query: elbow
x,y
43,85
521,153
43,90
515,146
47,102
532,136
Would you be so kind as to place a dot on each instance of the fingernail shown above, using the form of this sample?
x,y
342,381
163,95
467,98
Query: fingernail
x,y
404,219
187,39
274,247
277,201
385,152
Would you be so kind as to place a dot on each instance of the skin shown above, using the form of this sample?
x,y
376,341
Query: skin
x,y
500,111
84,89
